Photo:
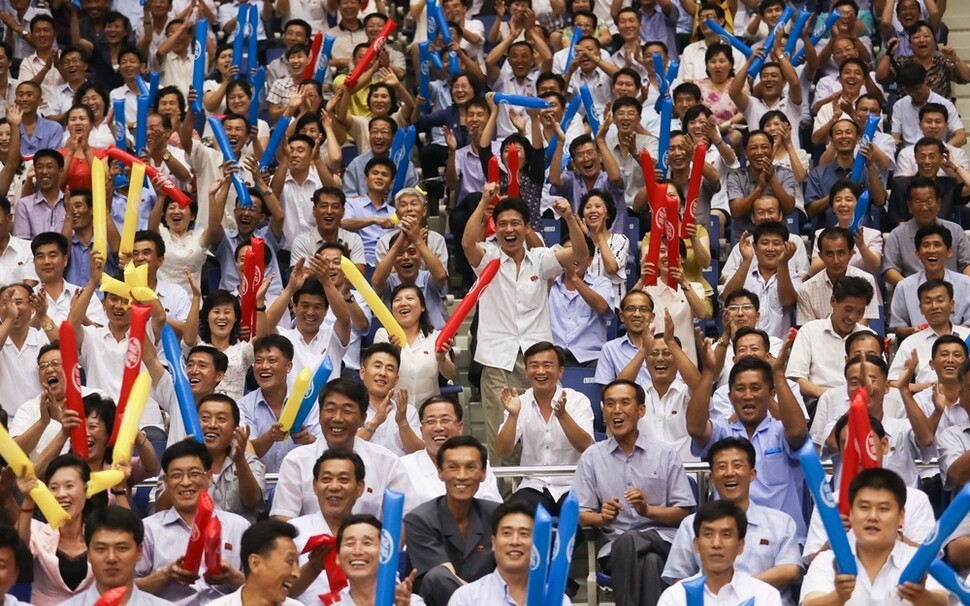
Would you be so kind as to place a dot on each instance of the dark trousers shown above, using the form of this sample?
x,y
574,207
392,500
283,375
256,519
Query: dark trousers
x,y
635,563
437,585
544,498
457,219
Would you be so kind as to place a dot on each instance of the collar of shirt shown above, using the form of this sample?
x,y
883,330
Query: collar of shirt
x,y
344,28
38,198
737,424
171,517
641,443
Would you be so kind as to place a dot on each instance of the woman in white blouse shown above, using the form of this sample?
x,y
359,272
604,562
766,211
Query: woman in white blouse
x,y
597,210
186,244
785,154
420,363
867,254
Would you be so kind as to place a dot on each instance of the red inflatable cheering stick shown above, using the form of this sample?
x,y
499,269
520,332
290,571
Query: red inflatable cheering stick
x,y
375,48
335,575
112,597
136,342
213,547
252,280
467,303
493,177
860,448
693,189
311,66
658,212
170,189
513,166
672,234
196,546
72,389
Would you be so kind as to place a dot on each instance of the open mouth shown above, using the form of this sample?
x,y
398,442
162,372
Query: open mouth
x,y
53,381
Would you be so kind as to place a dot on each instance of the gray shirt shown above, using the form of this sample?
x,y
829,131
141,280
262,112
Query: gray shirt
x,y
899,251
740,183
653,468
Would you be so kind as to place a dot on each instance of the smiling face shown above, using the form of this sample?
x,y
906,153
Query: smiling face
x,y
521,60
359,552
47,172
337,488
512,544
875,518
933,124
310,311
924,205
67,486
732,475
379,374
511,229
221,320
28,98
595,212
49,263
947,361
116,308
624,86
718,544
750,394
922,41
462,473
847,313
379,179
758,148
237,133
843,205
660,362
274,572
270,368
217,425
178,219
297,62
95,102
878,383
185,480
621,412
772,82
750,345
144,253
928,160
852,78
50,371
340,418
937,306
406,307
438,424
113,555
933,253
98,435
637,313
768,249
543,371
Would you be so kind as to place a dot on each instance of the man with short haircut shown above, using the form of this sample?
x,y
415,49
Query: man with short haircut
x,y
45,209
381,131
951,188
720,530
771,555
764,209
441,419
16,263
401,434
581,304
512,532
515,307
40,67
619,355
51,256
296,30
338,481
924,206
187,466
20,346
367,213
343,407
878,500
846,134
771,278
835,245
937,305
753,385
328,212
447,538
742,310
761,177
655,493
812,364
114,536
780,89
150,250
934,246
268,555
359,554
915,93
933,118
262,407
294,182
553,424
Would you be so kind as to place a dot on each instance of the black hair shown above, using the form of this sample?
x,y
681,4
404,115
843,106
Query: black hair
x,y
424,320
874,423
541,346
720,510
341,454
641,395
732,443
512,507
879,479
934,283
440,399
862,334
836,233
933,230
385,348
350,388
513,204
49,237
918,182
607,199
215,299
934,108
222,398
745,331
353,520
749,363
948,340
280,342
117,518
378,161
877,361
23,559
462,442
772,228
186,448
50,153
743,293
260,539
146,235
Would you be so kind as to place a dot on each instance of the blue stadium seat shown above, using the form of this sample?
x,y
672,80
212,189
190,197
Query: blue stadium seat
x,y
714,232
633,232
582,380
551,231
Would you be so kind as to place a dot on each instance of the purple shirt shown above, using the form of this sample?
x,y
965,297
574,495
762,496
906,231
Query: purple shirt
x,y
47,135
575,325
573,188
33,215
658,26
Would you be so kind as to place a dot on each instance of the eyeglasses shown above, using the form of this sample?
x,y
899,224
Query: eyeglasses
x,y
632,309
51,364
736,308
177,476
443,421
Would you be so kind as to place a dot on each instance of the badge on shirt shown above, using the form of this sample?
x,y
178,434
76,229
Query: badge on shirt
x,y
771,451
763,542
480,548
534,278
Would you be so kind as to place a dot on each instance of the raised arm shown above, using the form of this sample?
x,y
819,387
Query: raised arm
x,y
790,412
698,407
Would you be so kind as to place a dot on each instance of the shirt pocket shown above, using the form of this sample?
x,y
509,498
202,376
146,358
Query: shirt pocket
x,y
773,468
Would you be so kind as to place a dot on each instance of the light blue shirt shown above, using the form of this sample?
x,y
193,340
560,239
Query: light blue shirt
x,y
119,202
356,185
491,589
361,207
652,467
775,319
575,325
351,359
47,135
770,541
225,251
615,356
905,305
166,536
137,598
257,414
779,482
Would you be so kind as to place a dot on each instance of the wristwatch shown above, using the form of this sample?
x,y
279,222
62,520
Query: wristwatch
x,y
166,156
24,33
48,326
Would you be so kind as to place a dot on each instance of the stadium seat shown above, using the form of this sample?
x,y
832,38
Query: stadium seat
x,y
551,231
582,380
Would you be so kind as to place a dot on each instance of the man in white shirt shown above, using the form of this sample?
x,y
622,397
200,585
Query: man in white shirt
x,y
911,82
812,364
835,249
933,120
878,500
40,65
20,345
294,183
515,307
50,250
16,263
328,212
401,434
150,250
693,66
338,481
719,531
553,424
343,406
268,556
441,418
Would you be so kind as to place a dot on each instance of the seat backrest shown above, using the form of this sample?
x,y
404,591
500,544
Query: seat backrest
x,y
583,381
551,231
